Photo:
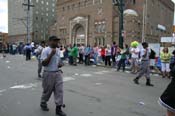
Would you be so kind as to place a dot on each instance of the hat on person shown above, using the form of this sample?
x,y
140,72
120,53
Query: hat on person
x,y
134,44
53,38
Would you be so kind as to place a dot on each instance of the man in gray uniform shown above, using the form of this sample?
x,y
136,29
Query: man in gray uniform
x,y
52,76
144,69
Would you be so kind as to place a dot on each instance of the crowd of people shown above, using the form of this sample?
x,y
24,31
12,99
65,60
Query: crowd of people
x,y
113,56
109,55
140,57
96,55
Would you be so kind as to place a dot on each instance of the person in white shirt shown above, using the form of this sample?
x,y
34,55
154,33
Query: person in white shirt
x,y
134,59
81,53
108,55
62,53
38,52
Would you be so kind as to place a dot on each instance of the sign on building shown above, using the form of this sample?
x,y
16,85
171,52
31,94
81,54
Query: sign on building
x,y
167,39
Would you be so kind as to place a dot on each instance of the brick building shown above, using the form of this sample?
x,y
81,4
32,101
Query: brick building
x,y
3,37
97,21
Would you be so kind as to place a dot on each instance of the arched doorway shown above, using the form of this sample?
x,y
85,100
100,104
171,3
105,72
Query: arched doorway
x,y
78,34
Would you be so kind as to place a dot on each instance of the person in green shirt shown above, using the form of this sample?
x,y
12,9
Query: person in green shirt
x,y
74,54
165,57
123,58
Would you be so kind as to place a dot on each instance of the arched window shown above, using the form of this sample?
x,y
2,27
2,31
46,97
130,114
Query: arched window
x,y
134,1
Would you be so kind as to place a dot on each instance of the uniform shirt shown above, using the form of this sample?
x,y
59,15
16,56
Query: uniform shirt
x,y
142,53
133,55
28,47
55,60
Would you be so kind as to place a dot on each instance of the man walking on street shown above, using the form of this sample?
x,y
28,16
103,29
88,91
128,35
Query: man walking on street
x,y
144,69
38,54
52,76
28,50
114,53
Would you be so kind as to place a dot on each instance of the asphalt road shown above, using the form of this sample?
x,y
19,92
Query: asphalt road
x,y
89,91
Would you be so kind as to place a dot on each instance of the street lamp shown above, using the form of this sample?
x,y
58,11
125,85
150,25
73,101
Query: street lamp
x,y
120,4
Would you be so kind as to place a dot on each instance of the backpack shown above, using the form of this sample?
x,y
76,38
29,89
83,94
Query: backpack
x,y
152,54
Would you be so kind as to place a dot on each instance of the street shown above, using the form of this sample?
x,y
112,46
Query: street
x,y
89,91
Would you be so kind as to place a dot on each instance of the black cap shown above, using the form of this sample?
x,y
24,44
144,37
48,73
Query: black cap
x,y
53,38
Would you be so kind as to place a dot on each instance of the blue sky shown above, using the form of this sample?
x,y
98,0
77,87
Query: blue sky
x,y
3,16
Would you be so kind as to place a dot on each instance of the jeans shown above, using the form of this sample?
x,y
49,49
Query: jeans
x,y
80,58
28,54
95,59
87,59
108,60
70,60
121,63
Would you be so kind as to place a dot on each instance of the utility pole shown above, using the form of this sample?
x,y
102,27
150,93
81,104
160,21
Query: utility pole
x,y
120,4
173,34
143,26
145,18
29,5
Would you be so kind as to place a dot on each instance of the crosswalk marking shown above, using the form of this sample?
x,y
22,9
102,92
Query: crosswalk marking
x,y
65,79
86,75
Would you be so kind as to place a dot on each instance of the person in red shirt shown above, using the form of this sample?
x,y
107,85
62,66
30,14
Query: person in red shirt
x,y
103,53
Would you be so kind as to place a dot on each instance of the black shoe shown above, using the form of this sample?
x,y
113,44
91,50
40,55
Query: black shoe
x,y
59,112
44,106
136,81
39,76
148,83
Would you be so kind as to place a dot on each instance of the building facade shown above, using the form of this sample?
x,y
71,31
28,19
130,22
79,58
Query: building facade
x,y
154,20
3,40
44,14
3,37
97,21
17,17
